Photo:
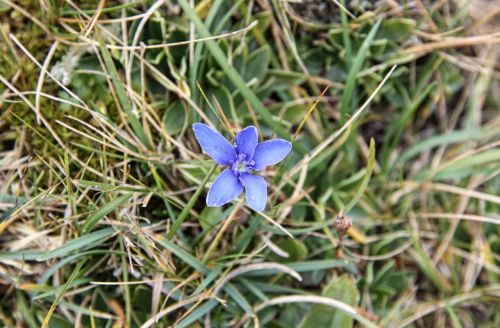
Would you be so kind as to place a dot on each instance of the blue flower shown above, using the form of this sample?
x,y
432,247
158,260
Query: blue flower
x,y
245,156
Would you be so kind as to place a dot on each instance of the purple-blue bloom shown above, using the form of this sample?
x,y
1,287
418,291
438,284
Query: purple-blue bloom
x,y
245,156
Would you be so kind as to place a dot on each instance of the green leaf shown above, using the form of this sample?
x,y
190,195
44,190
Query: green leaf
x,y
197,314
287,77
174,118
466,166
183,255
87,241
51,291
320,265
343,289
109,187
60,294
296,249
95,217
397,29
21,255
210,216
257,64
214,273
235,294
53,268
25,310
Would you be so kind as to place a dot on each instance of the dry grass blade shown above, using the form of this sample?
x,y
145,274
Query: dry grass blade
x,y
41,79
316,300
456,42
309,112
256,267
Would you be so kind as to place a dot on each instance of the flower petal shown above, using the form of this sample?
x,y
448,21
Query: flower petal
x,y
256,191
246,140
270,152
214,144
224,189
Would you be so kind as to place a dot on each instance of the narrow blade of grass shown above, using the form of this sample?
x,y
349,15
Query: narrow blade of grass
x,y
183,255
347,94
393,135
90,240
46,321
185,211
441,140
197,314
236,295
95,217
122,95
366,178
428,268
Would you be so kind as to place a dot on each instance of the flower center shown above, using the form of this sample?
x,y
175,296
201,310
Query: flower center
x,y
242,165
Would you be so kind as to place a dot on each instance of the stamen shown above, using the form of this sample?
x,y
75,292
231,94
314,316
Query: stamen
x,y
242,165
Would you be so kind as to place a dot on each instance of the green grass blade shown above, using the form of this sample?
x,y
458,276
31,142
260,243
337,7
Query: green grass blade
x,y
95,217
350,85
236,295
21,255
393,135
366,179
208,280
185,211
427,267
56,290
305,266
308,266
90,240
441,140
61,293
25,309
197,314
122,95
183,255
53,269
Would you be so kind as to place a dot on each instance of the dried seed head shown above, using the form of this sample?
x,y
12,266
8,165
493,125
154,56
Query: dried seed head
x,y
342,224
